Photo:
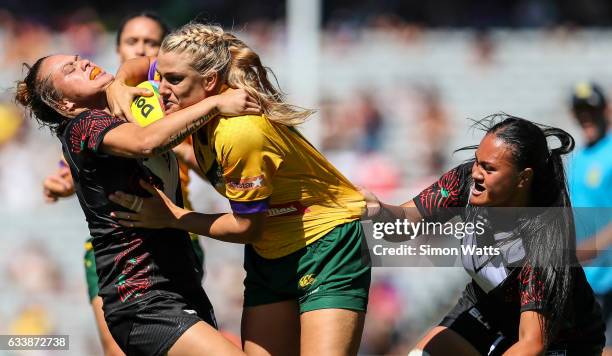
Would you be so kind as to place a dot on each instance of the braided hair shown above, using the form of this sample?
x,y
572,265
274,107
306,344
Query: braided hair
x,y
213,50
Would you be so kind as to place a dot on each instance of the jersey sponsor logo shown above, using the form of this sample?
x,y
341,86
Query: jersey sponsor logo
x,y
478,316
287,209
307,280
248,183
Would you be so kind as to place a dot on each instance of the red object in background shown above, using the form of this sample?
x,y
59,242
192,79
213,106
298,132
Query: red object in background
x,y
385,302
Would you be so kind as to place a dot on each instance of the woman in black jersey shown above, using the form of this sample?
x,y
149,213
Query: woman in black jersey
x,y
153,300
532,298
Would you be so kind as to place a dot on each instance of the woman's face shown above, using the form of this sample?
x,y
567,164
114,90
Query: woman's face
x,y
80,82
141,36
593,124
497,181
181,86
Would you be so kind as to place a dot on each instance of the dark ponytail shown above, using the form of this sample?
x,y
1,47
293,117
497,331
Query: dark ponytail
x,y
34,94
551,242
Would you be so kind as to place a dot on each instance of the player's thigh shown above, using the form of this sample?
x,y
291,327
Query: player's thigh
x,y
202,340
331,332
109,346
271,329
443,341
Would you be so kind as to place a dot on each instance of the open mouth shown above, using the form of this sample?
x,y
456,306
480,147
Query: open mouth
x,y
94,73
477,188
167,104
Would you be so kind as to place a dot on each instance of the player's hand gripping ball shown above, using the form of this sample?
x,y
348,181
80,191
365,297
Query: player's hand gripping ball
x,y
147,110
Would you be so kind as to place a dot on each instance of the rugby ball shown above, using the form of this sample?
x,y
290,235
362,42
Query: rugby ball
x,y
147,110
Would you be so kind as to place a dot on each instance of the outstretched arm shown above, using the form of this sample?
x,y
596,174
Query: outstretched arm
x,y
159,212
130,140
439,201
379,211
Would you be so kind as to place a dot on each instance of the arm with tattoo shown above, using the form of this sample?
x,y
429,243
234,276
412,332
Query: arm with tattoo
x,y
130,140
190,128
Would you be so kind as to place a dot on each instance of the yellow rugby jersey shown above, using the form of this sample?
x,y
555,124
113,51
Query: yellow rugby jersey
x,y
262,166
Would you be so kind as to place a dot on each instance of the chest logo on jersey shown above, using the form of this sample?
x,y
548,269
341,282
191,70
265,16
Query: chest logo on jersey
x,y
287,209
248,183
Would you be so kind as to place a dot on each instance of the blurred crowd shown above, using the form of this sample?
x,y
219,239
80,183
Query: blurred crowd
x,y
391,133
339,13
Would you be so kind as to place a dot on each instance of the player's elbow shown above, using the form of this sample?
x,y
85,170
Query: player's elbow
x,y
149,145
250,227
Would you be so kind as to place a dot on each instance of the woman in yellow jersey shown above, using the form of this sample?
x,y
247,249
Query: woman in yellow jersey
x,y
308,277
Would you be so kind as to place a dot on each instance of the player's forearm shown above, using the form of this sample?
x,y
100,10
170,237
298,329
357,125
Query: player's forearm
x,y
163,135
590,248
223,227
134,71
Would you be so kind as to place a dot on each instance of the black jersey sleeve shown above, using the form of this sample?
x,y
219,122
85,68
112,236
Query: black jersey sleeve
x,y
531,288
450,191
87,130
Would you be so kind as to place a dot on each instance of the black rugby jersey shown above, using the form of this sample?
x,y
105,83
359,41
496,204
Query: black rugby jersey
x,y
131,262
502,285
